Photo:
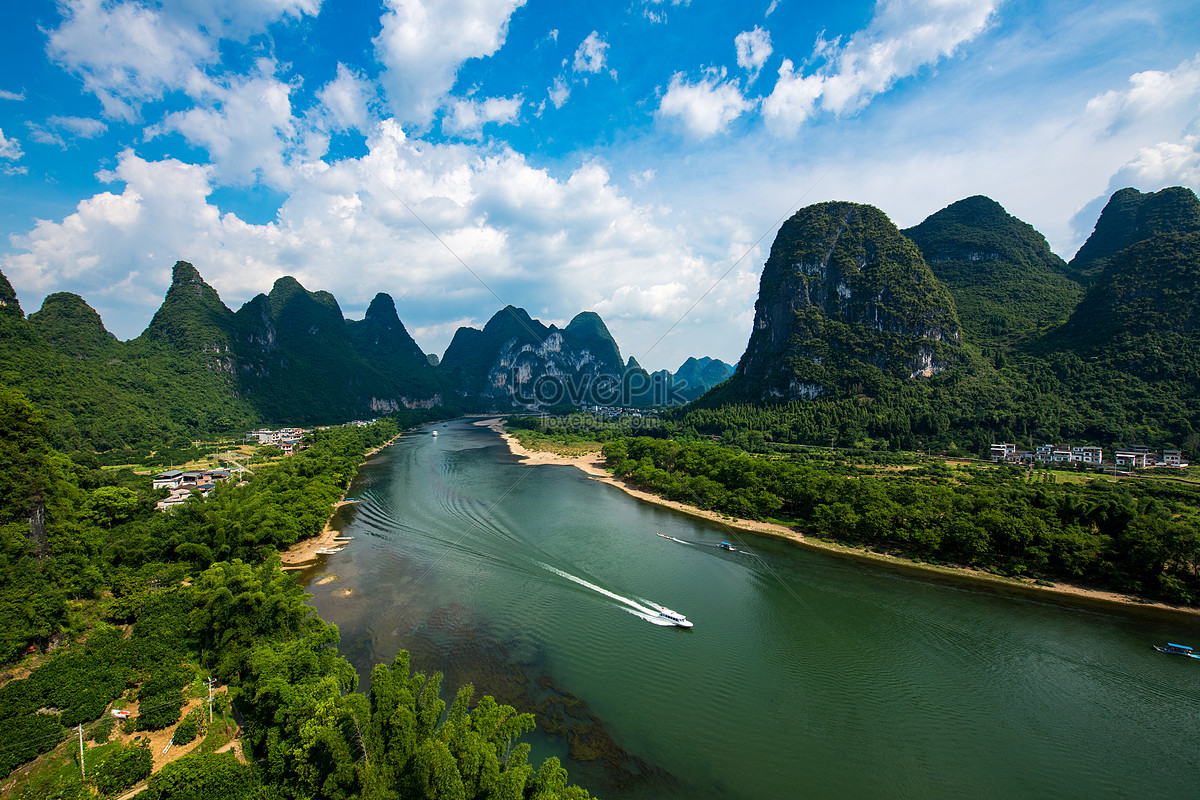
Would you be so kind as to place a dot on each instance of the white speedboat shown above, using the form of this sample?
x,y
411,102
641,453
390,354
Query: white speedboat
x,y
435,433
674,617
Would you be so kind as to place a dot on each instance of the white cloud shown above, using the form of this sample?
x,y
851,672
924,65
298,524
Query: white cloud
x,y
1164,164
424,42
11,95
793,100
347,100
79,127
704,108
590,55
246,125
131,52
467,117
10,148
565,243
753,50
901,38
83,127
559,92
650,9
126,53
1148,92
643,178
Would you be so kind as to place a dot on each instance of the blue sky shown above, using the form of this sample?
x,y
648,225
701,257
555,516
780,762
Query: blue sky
x,y
632,157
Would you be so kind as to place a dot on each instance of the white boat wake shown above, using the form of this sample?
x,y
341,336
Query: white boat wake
x,y
648,611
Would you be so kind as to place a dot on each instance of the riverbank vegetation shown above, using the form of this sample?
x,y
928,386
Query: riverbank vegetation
x,y
1139,536
142,608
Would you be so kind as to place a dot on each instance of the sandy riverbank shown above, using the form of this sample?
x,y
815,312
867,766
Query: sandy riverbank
x,y
303,554
593,465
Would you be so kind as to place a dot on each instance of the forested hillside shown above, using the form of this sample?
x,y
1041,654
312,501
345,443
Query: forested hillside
x,y
1140,537
1007,285
1113,368
201,594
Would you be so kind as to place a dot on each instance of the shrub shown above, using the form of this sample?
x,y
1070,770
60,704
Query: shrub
x,y
103,729
121,767
27,736
204,776
191,726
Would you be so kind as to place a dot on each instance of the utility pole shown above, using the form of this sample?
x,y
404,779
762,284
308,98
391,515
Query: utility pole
x,y
82,771
210,701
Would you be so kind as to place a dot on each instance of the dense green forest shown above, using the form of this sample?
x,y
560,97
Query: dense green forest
x,y
1140,536
155,603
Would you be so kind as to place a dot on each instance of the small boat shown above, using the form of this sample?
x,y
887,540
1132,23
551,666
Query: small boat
x,y
343,538
674,617
1177,649
328,551
664,535
435,433
727,546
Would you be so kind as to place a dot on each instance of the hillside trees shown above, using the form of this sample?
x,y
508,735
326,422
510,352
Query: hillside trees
x,y
1139,536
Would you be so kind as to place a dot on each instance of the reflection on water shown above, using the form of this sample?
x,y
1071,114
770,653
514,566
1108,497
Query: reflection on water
x,y
805,675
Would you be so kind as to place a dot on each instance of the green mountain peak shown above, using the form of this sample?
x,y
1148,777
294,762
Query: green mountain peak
x,y
845,301
72,326
1007,285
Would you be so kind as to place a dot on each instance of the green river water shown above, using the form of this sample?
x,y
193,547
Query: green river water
x,y
806,675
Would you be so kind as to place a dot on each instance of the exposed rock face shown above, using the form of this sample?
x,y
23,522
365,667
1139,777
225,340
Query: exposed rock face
x,y
9,306
844,301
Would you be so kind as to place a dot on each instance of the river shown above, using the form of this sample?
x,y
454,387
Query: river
x,y
806,674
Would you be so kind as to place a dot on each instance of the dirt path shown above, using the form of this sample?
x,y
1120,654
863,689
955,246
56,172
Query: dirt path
x,y
158,741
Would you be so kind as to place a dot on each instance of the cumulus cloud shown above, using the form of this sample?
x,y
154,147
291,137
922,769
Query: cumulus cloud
x,y
704,108
901,38
467,117
753,50
1148,92
128,53
564,242
424,42
347,100
244,123
1164,164
590,55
